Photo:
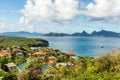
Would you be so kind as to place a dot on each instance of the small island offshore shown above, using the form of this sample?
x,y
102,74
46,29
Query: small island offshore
x,y
31,59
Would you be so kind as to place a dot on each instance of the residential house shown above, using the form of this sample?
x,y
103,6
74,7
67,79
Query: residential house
x,y
11,66
5,52
19,54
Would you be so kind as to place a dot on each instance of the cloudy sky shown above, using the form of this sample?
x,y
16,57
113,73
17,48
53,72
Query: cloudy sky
x,y
66,16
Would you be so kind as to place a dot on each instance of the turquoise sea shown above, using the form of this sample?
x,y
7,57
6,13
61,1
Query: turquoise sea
x,y
84,46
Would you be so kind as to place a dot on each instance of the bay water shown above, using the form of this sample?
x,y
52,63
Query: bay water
x,y
84,46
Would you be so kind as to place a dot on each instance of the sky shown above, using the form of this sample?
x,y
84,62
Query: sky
x,y
66,16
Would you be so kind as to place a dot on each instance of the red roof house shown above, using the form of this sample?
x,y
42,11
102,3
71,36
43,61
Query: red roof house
x,y
4,53
71,53
52,58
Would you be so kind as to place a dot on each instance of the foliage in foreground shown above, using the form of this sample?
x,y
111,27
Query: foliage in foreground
x,y
106,67
10,76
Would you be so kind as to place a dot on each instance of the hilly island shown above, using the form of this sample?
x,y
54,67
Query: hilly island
x,y
102,33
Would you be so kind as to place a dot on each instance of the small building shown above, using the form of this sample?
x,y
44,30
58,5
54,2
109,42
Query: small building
x,y
75,57
50,63
18,47
62,64
4,52
19,54
42,54
39,53
52,58
71,53
11,66
35,48
16,50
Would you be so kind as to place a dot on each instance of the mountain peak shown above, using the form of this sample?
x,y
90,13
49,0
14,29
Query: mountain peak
x,y
104,33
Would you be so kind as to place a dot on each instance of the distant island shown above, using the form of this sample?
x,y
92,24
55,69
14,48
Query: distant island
x,y
102,33
21,34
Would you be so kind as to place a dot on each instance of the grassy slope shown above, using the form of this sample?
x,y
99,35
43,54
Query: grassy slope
x,y
17,41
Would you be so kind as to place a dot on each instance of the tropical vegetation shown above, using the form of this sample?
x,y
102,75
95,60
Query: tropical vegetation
x,y
8,42
49,64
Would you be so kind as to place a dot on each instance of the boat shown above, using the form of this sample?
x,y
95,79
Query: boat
x,y
102,46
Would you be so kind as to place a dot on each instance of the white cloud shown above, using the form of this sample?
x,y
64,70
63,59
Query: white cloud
x,y
62,10
2,26
16,27
23,20
49,11
103,10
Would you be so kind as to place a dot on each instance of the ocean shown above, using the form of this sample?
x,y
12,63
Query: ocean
x,y
84,46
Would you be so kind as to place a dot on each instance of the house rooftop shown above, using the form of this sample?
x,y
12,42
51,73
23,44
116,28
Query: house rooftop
x,y
52,59
4,53
39,53
71,53
10,65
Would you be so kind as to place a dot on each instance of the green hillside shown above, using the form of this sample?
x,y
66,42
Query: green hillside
x,y
17,41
